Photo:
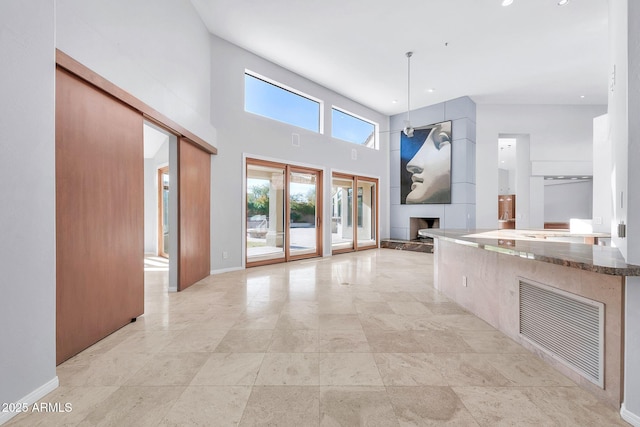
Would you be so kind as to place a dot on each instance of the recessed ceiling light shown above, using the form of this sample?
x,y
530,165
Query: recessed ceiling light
x,y
502,161
507,2
584,177
431,90
561,176
395,101
549,177
582,96
574,177
562,2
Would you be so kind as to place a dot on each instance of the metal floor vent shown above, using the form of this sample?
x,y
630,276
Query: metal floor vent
x,y
568,327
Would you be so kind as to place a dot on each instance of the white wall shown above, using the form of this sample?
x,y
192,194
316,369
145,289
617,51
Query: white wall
x,y
157,50
460,214
618,116
602,191
564,200
558,133
27,217
523,180
241,133
536,202
150,207
503,182
633,119
174,222
624,111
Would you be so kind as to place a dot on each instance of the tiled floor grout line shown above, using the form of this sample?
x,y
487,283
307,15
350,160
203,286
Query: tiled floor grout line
x,y
228,338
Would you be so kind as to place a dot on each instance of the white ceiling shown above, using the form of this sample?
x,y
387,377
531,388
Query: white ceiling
x,y
532,52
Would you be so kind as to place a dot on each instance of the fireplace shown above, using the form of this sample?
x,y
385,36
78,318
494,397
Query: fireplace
x,y
415,242
416,224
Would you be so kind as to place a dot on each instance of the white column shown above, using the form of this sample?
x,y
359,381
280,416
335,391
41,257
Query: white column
x,y
602,192
624,111
523,184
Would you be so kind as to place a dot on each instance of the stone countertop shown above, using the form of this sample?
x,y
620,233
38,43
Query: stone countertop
x,y
532,244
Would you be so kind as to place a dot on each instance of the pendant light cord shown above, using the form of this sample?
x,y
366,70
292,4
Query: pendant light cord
x,y
409,88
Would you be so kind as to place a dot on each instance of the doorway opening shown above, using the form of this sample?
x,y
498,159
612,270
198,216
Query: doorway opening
x,y
160,209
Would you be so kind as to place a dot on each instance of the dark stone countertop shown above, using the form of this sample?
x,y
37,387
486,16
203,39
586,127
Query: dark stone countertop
x,y
532,244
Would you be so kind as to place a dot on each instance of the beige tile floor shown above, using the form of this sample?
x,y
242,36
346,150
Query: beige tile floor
x,y
354,339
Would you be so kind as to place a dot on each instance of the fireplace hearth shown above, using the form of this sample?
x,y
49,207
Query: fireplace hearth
x,y
415,242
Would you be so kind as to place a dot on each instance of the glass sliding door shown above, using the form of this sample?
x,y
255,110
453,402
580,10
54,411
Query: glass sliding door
x,y
283,212
304,209
266,237
366,213
354,213
342,210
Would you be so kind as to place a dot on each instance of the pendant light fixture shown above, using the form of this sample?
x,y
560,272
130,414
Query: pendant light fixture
x,y
408,130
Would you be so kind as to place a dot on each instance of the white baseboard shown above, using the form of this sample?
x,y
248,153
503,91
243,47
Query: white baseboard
x,y
226,270
31,398
629,417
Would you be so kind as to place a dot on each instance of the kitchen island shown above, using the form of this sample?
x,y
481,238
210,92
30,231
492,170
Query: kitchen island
x,y
562,300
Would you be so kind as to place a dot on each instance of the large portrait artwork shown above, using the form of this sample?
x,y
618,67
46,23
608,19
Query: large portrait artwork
x,y
425,165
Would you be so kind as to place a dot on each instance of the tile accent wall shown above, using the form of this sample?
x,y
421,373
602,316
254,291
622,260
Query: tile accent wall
x,y
460,214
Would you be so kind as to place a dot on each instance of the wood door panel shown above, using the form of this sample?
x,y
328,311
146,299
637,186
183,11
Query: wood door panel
x,y
194,214
99,215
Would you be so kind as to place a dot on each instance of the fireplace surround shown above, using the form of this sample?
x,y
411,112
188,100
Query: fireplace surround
x,y
417,223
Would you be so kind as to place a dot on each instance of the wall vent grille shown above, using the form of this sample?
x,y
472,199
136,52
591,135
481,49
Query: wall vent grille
x,y
568,327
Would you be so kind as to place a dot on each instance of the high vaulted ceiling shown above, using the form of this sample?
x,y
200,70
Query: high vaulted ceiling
x,y
532,52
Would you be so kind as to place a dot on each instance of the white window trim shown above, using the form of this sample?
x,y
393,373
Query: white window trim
x,y
376,127
294,91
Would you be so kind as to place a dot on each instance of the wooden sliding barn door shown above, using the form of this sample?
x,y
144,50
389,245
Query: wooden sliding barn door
x,y
99,215
194,180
